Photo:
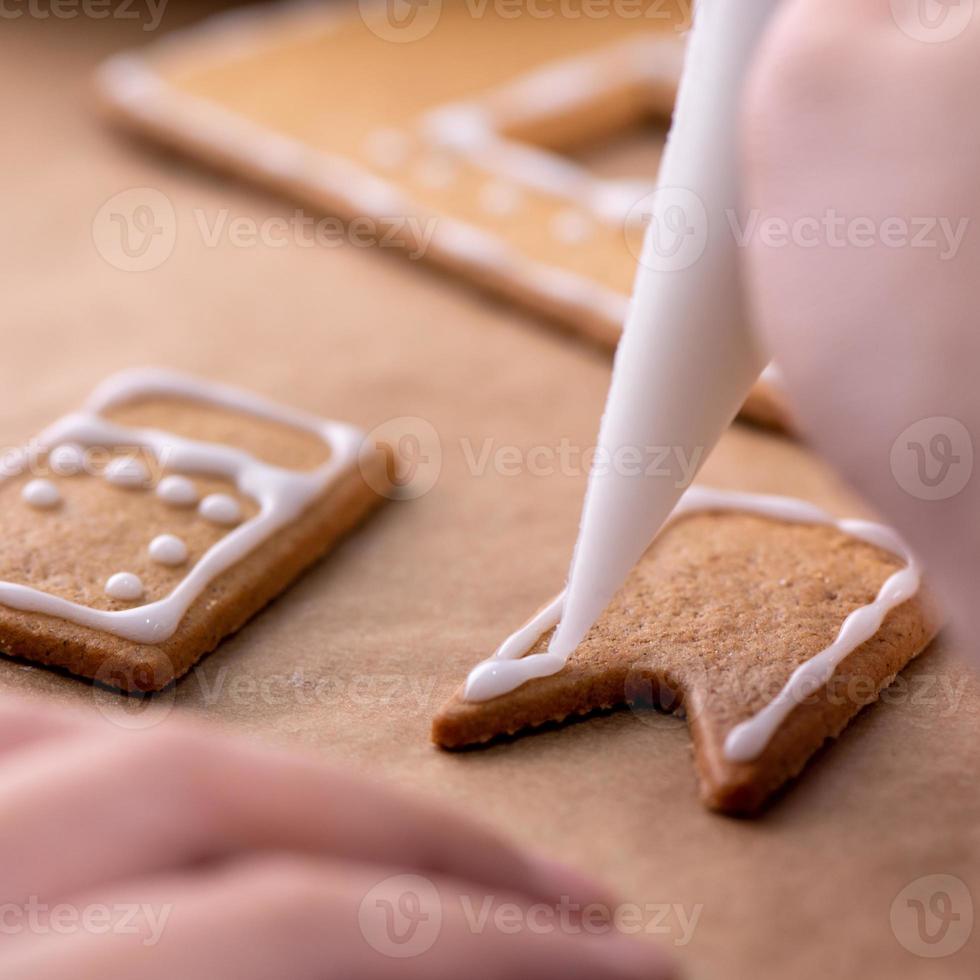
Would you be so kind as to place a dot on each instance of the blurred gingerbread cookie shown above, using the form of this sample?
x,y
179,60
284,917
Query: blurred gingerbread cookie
x,y
457,132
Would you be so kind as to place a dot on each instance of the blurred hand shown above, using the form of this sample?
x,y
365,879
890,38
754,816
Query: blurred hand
x,y
862,136
219,859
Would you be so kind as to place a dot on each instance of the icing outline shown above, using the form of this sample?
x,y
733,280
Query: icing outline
x,y
282,494
511,666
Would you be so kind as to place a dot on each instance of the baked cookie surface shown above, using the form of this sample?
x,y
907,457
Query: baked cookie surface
x,y
744,622
461,135
143,529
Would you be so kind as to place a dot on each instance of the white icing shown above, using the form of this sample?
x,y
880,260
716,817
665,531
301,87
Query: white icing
x,y
281,494
127,471
570,227
511,666
13,462
177,491
687,357
436,172
41,494
67,460
499,199
168,549
124,586
220,508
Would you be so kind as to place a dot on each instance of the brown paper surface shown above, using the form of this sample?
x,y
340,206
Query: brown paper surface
x,y
352,662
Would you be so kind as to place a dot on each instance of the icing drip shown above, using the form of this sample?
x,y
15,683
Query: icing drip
x,y
168,549
124,586
219,508
177,491
510,666
41,494
281,494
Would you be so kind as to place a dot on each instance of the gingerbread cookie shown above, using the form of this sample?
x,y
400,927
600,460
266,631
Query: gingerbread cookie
x,y
459,132
142,530
766,621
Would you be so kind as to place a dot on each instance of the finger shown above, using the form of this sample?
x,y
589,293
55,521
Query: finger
x,y
25,722
311,919
152,801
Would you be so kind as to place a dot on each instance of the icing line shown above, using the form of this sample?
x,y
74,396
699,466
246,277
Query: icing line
x,y
510,666
281,494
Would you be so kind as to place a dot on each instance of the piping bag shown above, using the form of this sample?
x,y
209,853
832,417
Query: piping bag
x,y
686,359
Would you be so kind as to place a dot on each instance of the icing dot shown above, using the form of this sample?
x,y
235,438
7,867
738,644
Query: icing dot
x,y
177,491
124,586
68,459
42,494
571,227
498,198
387,147
219,508
168,549
13,462
127,471
436,173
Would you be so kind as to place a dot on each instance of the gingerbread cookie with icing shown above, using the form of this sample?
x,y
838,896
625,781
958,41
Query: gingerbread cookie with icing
x,y
768,623
463,133
143,529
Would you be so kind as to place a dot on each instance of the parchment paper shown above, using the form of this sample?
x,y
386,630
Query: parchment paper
x,y
351,663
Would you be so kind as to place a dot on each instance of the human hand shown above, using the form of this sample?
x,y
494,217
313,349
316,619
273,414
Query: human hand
x,y
861,137
242,862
